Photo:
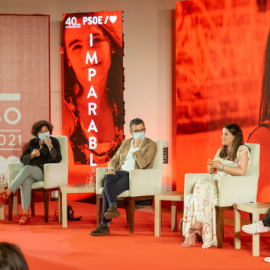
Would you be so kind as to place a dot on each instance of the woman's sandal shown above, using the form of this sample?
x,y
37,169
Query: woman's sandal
x,y
25,219
191,241
3,197
198,234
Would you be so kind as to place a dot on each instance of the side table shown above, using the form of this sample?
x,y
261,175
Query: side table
x,y
174,197
63,191
255,209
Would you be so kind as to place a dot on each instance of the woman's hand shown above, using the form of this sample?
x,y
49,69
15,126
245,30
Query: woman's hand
x,y
214,164
35,153
48,141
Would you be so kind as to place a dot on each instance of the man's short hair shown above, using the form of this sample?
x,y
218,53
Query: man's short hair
x,y
136,122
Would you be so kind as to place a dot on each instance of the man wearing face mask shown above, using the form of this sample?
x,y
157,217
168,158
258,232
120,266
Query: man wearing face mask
x,y
134,153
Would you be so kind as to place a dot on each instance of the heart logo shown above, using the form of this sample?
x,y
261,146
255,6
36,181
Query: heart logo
x,y
4,164
113,18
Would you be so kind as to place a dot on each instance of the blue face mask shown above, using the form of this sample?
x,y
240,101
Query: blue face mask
x,y
139,135
42,136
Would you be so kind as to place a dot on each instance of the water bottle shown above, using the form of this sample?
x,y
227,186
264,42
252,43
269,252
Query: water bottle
x,y
93,178
2,177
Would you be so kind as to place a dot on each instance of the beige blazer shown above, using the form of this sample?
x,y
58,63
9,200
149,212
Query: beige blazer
x,y
144,157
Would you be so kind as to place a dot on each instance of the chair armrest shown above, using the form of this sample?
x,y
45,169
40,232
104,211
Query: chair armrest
x,y
55,175
237,189
143,182
13,170
191,179
100,173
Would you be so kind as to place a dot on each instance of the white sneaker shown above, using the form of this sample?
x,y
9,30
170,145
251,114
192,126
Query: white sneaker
x,y
255,228
267,259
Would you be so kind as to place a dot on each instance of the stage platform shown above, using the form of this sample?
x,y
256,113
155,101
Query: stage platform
x,y
49,246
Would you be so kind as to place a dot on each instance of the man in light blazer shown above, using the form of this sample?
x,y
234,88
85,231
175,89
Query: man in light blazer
x,y
134,153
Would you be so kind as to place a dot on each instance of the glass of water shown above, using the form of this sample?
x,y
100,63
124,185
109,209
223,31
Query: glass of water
x,y
88,180
92,182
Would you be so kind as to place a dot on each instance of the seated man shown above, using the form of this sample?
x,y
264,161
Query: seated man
x,y
260,226
135,153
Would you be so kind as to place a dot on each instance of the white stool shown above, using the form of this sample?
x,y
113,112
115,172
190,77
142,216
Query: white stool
x,y
63,191
174,197
255,209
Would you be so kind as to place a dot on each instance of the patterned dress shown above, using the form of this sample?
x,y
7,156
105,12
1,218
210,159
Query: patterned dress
x,y
201,204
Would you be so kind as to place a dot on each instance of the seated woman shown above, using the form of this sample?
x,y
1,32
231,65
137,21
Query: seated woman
x,y
39,151
232,158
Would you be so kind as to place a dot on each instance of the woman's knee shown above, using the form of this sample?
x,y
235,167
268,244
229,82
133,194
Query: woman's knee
x,y
26,169
201,181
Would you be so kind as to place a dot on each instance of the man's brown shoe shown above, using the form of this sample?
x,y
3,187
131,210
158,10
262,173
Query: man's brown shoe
x,y
112,212
100,230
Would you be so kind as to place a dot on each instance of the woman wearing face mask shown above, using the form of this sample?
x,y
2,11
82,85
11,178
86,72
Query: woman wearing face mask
x,y
232,158
39,151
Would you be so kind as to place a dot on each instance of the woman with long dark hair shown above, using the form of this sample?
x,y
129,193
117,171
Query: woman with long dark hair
x,y
93,47
232,158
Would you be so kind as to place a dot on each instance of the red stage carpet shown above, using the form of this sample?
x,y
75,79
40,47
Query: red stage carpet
x,y
49,246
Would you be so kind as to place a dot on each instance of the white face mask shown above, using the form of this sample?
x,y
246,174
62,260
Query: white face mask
x,y
139,135
42,136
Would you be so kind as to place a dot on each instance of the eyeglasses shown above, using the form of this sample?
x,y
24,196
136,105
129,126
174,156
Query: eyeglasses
x,y
137,131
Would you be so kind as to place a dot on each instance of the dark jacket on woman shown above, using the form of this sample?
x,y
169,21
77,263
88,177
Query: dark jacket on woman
x,y
46,156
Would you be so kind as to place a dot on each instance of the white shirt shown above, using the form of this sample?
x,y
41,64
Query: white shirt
x,y
129,163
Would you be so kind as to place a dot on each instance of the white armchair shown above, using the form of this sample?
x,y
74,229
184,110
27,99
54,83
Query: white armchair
x,y
143,185
231,189
55,174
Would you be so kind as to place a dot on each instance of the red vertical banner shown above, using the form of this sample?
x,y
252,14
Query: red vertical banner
x,y
24,81
220,49
92,99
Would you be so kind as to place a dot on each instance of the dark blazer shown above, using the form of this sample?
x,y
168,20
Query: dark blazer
x,y
46,156
144,157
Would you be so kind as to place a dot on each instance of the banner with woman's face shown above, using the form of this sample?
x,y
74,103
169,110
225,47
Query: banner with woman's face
x,y
92,103
220,52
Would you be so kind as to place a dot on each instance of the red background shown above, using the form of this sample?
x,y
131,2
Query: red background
x,y
219,54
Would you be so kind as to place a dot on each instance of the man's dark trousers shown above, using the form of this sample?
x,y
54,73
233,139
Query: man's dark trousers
x,y
266,219
114,184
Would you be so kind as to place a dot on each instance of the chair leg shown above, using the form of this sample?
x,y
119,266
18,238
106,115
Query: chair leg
x,y
33,204
250,218
220,226
15,203
127,211
46,205
10,206
99,208
131,214
59,205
